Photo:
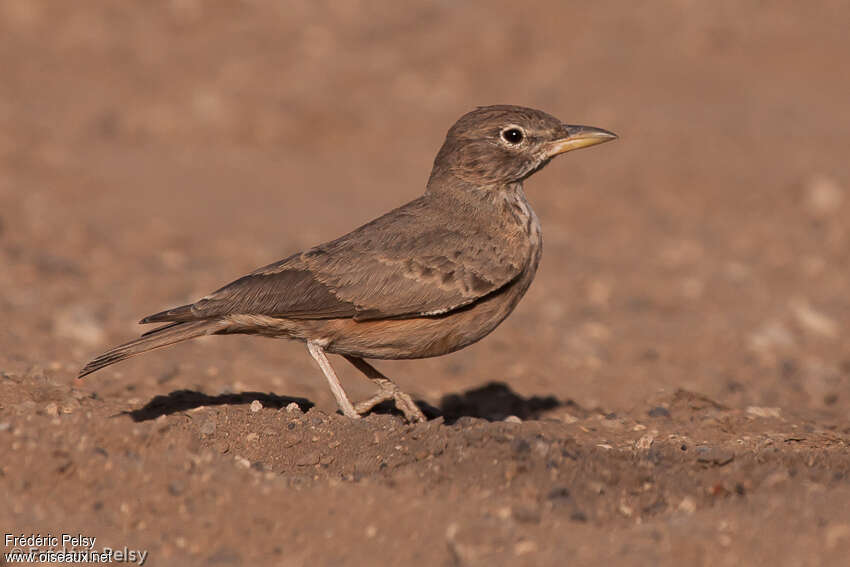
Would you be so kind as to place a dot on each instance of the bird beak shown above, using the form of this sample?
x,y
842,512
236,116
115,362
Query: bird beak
x,y
578,137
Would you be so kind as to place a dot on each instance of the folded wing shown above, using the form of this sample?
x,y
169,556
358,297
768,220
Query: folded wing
x,y
398,266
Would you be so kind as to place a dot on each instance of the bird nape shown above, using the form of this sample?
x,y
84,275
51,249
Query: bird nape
x,y
428,278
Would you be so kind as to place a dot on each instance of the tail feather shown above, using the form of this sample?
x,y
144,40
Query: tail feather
x,y
162,328
181,314
163,336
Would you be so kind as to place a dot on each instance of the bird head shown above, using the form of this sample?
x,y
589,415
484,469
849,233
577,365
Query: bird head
x,y
498,145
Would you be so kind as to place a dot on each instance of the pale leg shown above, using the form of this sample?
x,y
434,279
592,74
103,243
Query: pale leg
x,y
387,390
342,400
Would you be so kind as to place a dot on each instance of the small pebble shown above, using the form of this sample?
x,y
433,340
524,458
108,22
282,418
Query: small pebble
x,y
256,406
290,440
293,407
524,546
823,195
659,412
687,505
559,493
512,419
307,459
758,411
242,462
578,516
837,533
714,455
208,427
813,320
526,514
52,409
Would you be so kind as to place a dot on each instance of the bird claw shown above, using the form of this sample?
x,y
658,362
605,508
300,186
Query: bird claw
x,y
403,402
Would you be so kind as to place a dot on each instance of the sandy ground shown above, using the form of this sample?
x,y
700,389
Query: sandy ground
x,y
680,369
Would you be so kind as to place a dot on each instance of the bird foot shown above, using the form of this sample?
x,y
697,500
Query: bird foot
x,y
403,402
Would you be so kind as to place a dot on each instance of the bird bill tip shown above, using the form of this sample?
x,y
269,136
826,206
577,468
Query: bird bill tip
x,y
580,137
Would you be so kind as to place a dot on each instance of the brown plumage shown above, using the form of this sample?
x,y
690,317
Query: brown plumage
x,y
426,279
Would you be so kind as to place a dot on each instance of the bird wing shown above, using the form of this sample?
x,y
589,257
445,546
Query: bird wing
x,y
403,264
417,261
293,293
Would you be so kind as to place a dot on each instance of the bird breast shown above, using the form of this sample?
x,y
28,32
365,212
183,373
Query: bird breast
x,y
521,215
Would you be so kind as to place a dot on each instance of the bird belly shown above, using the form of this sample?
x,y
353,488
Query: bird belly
x,y
420,337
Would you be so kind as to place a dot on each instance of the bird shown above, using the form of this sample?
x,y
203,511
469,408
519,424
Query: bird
x,y
426,279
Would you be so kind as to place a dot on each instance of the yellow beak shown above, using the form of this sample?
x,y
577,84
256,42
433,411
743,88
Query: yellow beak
x,y
579,137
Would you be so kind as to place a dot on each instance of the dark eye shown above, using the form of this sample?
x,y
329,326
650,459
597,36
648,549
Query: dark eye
x,y
512,135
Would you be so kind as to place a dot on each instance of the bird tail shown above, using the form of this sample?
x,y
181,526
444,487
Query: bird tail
x,y
163,336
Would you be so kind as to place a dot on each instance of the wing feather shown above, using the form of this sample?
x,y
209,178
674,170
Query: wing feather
x,y
410,262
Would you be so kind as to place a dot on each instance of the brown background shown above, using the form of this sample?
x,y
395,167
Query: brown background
x,y
692,302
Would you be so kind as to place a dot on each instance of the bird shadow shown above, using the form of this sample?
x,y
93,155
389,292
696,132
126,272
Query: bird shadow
x,y
184,400
495,401
492,402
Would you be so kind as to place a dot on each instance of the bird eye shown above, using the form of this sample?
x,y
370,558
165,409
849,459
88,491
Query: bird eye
x,y
512,135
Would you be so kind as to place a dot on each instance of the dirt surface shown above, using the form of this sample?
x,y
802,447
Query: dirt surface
x,y
673,390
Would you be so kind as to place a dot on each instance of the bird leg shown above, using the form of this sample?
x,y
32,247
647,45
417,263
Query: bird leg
x,y
387,390
342,400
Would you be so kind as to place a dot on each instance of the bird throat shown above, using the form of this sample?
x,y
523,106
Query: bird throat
x,y
512,200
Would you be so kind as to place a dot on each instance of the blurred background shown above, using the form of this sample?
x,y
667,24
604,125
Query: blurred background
x,y
153,151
